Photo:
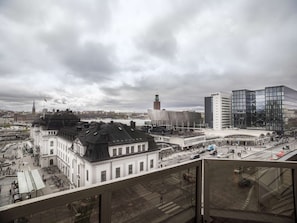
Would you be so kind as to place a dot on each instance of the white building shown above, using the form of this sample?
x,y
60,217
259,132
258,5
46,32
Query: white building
x,y
221,110
96,152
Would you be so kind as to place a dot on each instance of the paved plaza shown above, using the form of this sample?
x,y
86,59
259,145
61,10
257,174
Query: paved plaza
x,y
19,160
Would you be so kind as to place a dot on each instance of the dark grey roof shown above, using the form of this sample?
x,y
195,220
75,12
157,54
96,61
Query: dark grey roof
x,y
57,120
99,136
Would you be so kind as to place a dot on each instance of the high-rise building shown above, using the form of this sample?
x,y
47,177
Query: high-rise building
x,y
157,103
208,111
218,110
273,108
280,108
243,108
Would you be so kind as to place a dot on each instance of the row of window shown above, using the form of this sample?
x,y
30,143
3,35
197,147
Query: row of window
x,y
52,132
129,150
118,170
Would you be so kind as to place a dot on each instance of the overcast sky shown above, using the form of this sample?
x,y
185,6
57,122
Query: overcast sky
x,y
116,55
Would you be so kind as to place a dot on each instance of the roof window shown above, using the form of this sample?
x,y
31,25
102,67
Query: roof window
x,y
95,133
120,128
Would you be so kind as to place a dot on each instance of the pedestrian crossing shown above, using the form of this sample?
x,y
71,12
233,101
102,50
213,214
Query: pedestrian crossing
x,y
168,208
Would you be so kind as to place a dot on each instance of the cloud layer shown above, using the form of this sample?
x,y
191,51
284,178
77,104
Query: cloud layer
x,y
115,55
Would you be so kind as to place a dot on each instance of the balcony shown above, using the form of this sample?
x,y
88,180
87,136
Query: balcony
x,y
209,190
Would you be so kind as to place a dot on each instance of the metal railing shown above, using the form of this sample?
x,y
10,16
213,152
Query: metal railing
x,y
209,190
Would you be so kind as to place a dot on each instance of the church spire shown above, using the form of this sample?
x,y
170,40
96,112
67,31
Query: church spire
x,y
33,108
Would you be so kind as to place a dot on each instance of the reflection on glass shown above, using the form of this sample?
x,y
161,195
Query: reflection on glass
x,y
81,211
265,190
156,200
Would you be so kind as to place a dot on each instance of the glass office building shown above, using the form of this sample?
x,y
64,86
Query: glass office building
x,y
208,111
243,108
273,108
281,108
260,117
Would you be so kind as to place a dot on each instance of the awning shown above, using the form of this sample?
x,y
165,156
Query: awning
x,y
29,181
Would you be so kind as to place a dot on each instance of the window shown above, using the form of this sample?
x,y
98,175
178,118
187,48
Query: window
x,y
51,151
118,172
132,149
139,148
141,166
103,175
130,170
78,169
127,150
87,175
143,147
51,143
120,151
151,163
114,152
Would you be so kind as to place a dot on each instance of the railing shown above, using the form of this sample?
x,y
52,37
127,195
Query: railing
x,y
225,191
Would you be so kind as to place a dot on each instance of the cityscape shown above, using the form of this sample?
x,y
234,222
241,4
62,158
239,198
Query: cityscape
x,y
148,111
50,152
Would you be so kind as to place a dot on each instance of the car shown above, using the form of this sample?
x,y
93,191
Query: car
x,y
280,154
220,155
195,156
238,170
214,152
286,147
244,183
202,151
17,198
211,147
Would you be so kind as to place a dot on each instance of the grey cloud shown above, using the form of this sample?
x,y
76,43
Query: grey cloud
x,y
89,60
160,39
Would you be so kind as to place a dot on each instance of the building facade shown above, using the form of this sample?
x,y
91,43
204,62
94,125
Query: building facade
x,y
157,103
218,110
243,108
273,108
89,153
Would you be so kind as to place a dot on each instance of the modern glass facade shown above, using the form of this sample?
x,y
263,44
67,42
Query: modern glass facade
x,y
260,118
208,111
273,108
281,108
243,108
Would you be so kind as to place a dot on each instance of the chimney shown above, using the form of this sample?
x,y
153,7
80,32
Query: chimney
x,y
132,124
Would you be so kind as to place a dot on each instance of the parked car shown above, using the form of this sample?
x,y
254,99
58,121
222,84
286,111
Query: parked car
x,y
202,151
195,156
238,170
220,155
17,198
244,183
214,152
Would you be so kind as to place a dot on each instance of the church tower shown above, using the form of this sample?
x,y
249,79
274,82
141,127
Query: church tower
x,y
157,103
33,108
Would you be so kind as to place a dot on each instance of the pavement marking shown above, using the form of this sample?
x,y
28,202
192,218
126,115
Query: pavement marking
x,y
168,207
173,209
164,205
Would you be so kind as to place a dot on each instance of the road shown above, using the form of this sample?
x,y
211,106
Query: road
x,y
267,152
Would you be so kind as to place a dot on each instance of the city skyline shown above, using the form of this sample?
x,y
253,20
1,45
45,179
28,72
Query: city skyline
x,y
117,55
